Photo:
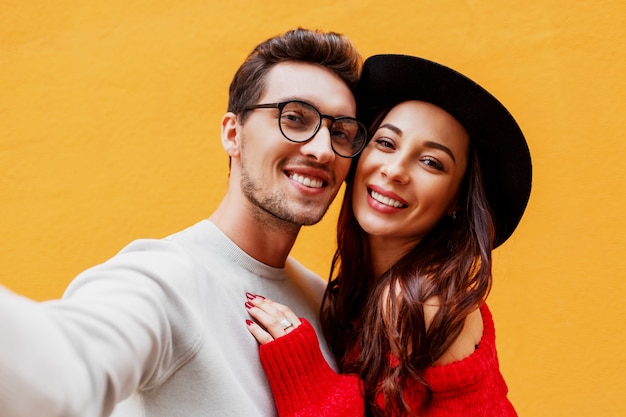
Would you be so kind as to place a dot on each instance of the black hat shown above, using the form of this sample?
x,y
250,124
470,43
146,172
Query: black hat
x,y
504,157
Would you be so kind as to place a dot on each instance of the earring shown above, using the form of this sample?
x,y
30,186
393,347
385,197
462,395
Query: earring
x,y
453,214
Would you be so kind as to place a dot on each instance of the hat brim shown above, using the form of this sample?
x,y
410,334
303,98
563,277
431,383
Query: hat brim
x,y
502,150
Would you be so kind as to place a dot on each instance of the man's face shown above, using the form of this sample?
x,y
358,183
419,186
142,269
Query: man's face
x,y
294,182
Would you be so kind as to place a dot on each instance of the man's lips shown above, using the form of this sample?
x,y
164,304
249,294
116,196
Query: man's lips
x,y
308,176
307,181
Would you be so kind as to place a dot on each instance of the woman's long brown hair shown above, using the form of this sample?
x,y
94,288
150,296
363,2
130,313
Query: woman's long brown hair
x,y
367,319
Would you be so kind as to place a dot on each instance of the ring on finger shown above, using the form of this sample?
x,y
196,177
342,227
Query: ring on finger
x,y
286,323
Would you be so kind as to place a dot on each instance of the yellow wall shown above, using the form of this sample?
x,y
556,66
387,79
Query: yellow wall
x,y
109,124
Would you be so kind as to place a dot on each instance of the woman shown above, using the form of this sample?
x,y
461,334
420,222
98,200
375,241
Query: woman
x,y
444,179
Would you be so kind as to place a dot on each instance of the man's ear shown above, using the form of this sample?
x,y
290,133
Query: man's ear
x,y
231,141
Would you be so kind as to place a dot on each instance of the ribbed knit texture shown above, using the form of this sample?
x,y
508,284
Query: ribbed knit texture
x,y
304,385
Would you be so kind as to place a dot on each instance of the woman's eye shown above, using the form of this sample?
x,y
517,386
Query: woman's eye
x,y
432,162
384,142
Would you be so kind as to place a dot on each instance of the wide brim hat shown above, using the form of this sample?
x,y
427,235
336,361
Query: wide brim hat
x,y
505,162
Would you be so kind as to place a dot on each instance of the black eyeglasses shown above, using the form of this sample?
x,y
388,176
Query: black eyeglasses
x,y
299,122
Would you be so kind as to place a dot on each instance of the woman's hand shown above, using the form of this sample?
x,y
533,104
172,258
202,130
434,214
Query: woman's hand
x,y
273,320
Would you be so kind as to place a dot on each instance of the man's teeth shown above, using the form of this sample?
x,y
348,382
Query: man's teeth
x,y
309,182
386,200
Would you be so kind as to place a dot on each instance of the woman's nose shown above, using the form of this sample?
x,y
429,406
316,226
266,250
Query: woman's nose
x,y
394,169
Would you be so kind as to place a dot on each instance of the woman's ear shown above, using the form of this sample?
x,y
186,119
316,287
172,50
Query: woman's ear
x,y
230,135
454,209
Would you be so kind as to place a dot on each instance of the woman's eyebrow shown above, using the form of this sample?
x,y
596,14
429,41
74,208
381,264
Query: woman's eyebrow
x,y
395,129
441,147
428,143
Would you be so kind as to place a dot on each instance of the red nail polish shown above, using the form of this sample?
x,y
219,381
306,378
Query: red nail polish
x,y
249,304
249,322
250,296
260,296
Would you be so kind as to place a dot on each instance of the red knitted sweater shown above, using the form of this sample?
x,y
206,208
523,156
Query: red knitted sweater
x,y
304,385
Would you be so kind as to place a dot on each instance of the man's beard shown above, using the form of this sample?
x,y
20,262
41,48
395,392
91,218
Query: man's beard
x,y
276,204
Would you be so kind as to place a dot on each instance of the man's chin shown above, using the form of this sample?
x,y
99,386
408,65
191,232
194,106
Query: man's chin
x,y
312,219
303,219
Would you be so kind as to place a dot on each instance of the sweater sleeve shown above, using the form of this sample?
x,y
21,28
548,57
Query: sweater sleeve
x,y
119,327
302,382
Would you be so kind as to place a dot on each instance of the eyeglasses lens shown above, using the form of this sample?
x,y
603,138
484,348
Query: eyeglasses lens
x,y
299,122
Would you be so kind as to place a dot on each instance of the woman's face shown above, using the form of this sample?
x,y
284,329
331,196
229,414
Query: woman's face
x,y
410,173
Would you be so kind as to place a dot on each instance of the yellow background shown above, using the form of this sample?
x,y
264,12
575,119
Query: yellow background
x,y
109,131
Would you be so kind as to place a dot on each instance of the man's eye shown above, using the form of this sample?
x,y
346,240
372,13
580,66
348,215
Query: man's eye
x,y
340,134
292,117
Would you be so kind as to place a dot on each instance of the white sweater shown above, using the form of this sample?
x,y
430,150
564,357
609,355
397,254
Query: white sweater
x,y
159,328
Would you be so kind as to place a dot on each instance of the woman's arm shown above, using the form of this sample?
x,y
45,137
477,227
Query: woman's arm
x,y
302,382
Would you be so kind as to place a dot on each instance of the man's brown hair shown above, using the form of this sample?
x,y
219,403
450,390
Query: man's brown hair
x,y
327,49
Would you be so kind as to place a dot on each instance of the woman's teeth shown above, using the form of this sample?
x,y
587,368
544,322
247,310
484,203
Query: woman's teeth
x,y
385,200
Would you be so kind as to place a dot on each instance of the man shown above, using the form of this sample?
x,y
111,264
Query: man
x,y
159,329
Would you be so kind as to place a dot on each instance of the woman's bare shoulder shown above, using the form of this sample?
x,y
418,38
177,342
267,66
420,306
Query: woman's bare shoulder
x,y
467,341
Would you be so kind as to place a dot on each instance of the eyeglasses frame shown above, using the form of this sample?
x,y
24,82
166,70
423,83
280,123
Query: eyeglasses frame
x,y
281,105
